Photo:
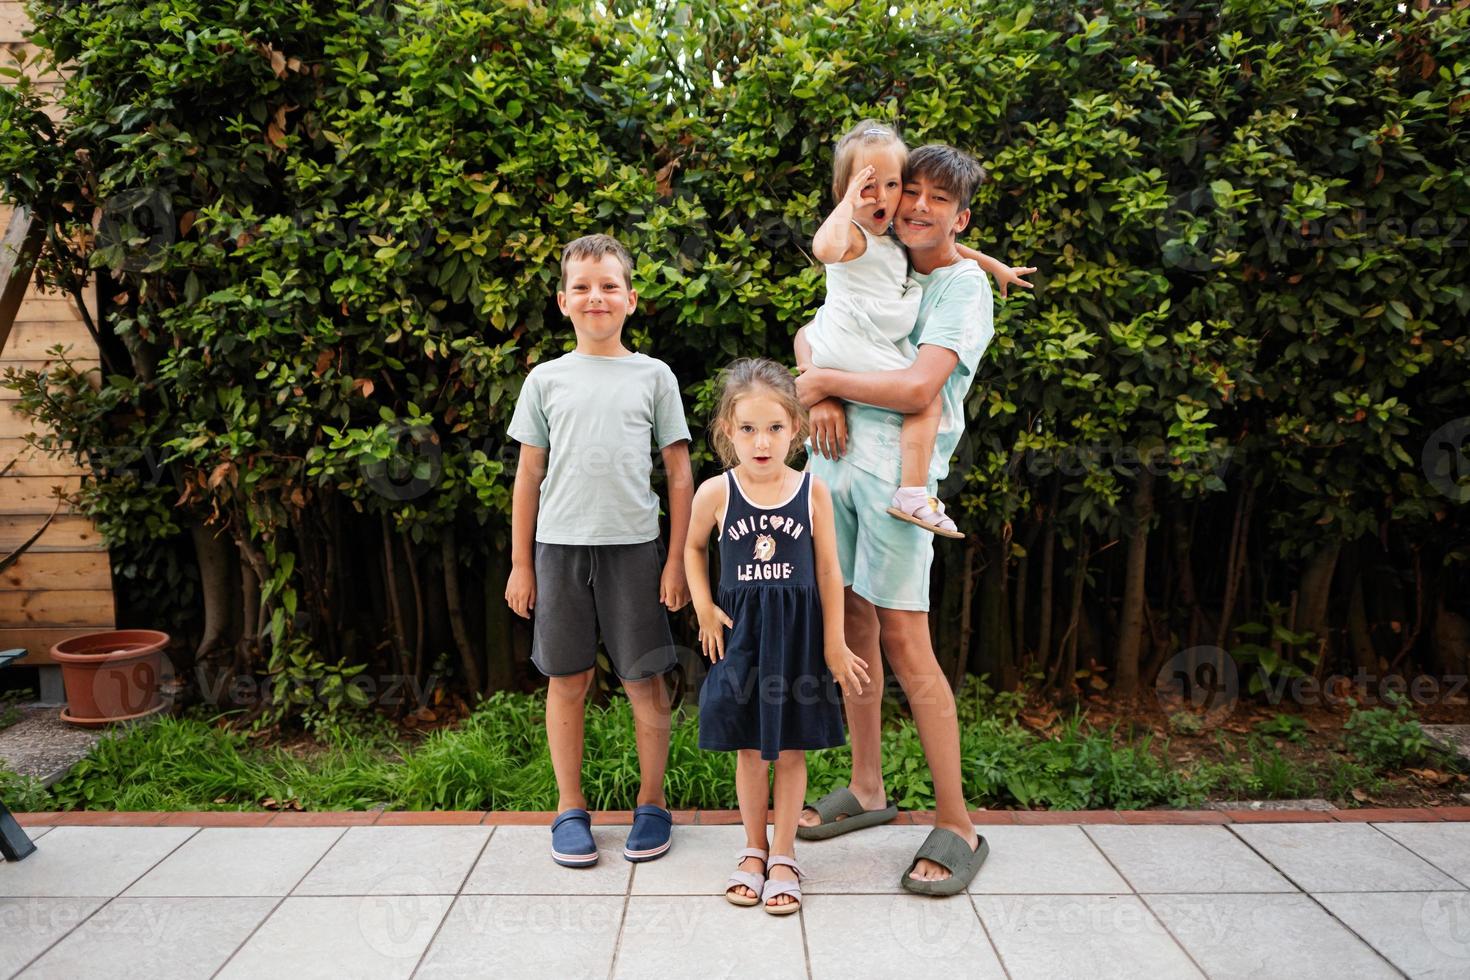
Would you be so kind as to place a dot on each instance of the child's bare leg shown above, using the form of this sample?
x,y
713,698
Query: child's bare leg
x,y
920,431
752,790
910,653
566,703
864,711
650,700
790,791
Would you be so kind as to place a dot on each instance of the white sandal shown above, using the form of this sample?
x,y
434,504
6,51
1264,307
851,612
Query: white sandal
x,y
755,882
930,516
774,888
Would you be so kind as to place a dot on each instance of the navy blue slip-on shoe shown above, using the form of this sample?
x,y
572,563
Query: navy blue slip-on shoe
x,y
572,845
649,837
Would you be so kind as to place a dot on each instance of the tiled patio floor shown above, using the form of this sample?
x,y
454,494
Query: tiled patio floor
x,y
465,895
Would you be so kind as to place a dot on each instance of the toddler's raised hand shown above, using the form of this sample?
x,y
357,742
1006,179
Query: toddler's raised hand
x,y
860,182
712,620
848,669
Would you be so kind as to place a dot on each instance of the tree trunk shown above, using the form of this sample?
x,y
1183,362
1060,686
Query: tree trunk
x,y
1451,639
1411,635
1184,575
1239,533
467,660
499,658
395,606
1064,676
967,595
1130,630
215,558
249,644
411,560
1364,656
1316,591
1018,614
1048,553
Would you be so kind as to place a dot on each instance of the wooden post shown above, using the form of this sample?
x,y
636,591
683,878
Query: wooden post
x,y
18,251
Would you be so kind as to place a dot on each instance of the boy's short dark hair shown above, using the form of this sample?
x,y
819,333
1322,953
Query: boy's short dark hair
x,y
954,170
596,247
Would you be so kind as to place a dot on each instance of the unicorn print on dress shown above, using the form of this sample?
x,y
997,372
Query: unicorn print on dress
x,y
765,547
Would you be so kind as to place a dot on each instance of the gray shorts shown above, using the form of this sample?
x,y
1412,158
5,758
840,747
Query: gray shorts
x,y
582,588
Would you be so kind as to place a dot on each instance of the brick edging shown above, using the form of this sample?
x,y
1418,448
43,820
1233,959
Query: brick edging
x,y
400,818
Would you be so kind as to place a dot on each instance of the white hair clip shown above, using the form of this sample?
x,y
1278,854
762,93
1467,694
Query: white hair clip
x,y
875,132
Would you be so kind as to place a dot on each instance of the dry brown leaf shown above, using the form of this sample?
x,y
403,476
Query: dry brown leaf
x,y
665,178
1433,776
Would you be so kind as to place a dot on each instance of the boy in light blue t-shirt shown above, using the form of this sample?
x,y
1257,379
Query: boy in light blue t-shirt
x,y
585,551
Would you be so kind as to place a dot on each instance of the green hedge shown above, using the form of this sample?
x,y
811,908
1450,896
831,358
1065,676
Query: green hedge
x,y
329,235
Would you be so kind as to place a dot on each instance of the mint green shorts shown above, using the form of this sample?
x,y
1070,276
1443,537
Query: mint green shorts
x,y
884,560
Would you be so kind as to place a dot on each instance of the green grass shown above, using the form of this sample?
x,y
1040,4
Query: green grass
x,y
497,760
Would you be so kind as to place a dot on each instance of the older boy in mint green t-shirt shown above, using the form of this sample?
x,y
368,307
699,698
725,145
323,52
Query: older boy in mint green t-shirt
x,y
886,563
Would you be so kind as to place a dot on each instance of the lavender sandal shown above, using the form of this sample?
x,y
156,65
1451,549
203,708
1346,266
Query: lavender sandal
x,y
755,882
930,516
774,888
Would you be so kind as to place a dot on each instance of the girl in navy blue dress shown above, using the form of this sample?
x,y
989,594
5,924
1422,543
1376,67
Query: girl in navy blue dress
x,y
774,635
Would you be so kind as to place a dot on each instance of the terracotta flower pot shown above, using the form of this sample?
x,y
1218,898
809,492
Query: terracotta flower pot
x,y
112,676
